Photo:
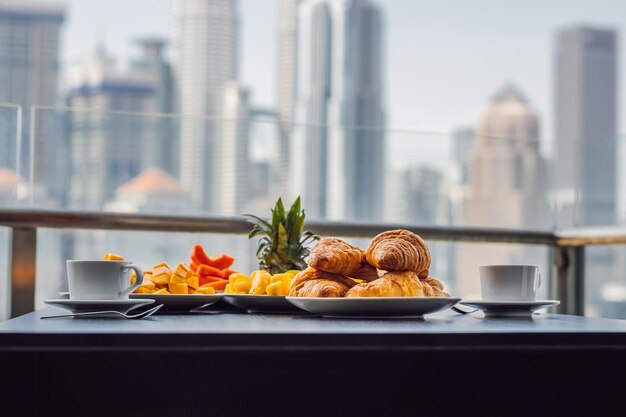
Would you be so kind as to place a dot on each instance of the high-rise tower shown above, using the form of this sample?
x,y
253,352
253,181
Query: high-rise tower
x,y
337,144
204,42
586,102
29,76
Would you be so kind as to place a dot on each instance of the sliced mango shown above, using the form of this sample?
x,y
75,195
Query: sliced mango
x,y
161,291
112,257
193,282
161,279
178,288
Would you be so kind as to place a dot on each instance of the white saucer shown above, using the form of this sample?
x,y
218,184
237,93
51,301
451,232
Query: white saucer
x,y
80,306
509,308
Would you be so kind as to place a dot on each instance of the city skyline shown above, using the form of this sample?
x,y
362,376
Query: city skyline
x,y
524,44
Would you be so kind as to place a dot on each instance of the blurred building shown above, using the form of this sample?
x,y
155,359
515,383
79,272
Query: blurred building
x,y
29,75
204,42
337,169
506,185
506,172
586,133
153,191
107,140
286,66
152,65
415,196
586,112
233,164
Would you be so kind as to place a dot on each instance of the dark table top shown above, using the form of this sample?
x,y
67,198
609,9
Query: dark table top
x,y
209,331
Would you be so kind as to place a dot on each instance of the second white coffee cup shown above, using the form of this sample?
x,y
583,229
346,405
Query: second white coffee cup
x,y
101,280
509,282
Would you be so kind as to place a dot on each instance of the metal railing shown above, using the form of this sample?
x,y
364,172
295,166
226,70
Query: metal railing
x,y
566,276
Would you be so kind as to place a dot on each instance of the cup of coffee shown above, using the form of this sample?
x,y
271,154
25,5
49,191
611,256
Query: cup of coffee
x,y
509,282
101,280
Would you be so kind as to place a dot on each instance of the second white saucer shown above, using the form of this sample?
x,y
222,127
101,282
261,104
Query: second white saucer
x,y
509,308
80,306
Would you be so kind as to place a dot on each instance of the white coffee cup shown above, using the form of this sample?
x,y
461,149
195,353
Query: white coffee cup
x,y
101,280
509,282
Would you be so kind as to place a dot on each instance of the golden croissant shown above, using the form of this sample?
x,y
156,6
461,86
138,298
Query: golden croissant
x,y
435,287
315,283
392,284
336,256
399,250
367,273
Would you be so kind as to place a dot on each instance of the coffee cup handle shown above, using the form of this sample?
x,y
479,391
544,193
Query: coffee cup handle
x,y
138,280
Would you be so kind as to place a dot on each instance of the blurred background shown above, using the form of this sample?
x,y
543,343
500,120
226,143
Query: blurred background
x,y
482,113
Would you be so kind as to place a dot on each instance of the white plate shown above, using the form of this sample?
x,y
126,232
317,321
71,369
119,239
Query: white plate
x,y
254,303
81,306
509,308
373,307
180,302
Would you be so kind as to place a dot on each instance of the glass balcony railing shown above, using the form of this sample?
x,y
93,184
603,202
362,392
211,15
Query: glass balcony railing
x,y
80,160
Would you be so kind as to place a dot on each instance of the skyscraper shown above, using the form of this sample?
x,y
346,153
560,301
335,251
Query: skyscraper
x,y
506,170
234,167
163,149
285,87
29,74
586,103
506,184
106,145
335,167
204,42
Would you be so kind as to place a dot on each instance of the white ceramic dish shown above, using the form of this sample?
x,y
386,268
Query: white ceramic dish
x,y
373,307
509,308
82,306
180,302
254,303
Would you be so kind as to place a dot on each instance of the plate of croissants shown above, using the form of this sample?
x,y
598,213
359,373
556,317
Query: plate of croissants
x,y
389,279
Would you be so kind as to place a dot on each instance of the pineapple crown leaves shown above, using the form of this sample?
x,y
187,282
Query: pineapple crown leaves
x,y
283,242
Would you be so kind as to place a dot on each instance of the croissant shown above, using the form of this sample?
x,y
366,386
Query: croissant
x,y
367,273
392,284
436,287
399,250
315,283
336,256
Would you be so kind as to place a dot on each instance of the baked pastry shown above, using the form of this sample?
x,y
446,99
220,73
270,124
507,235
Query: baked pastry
x,y
399,250
392,284
315,283
366,272
336,256
435,287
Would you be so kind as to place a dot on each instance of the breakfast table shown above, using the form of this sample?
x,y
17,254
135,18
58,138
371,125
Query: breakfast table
x,y
228,363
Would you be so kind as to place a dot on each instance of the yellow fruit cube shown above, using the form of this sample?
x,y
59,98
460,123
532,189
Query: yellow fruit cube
x,y
112,257
177,279
260,280
182,270
191,290
205,290
147,283
161,291
143,290
193,282
178,288
162,268
162,279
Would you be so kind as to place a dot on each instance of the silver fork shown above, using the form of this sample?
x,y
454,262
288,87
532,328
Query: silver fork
x,y
141,315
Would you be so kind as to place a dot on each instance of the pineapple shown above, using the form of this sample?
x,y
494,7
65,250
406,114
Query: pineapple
x,y
283,245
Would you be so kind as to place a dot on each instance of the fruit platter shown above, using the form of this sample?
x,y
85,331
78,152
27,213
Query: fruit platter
x,y
299,271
